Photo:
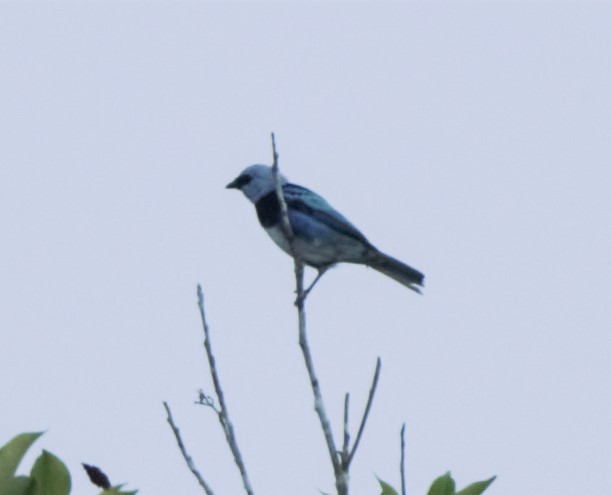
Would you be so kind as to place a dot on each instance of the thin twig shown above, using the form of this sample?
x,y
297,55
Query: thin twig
x,y
403,492
206,400
341,481
372,391
223,414
185,454
346,446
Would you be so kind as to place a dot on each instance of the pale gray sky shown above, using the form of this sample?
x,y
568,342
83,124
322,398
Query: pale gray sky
x,y
469,140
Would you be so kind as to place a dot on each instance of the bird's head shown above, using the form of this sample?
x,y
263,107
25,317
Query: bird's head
x,y
255,182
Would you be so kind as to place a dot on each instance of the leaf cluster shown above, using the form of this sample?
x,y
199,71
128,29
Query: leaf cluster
x,y
444,485
48,476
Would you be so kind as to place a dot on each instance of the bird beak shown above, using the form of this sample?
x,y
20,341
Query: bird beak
x,y
233,185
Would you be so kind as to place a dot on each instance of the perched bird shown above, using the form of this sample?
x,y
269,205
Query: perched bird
x,y
322,236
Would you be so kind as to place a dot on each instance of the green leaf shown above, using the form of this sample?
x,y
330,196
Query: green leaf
x,y
444,485
20,485
476,488
11,455
51,475
386,488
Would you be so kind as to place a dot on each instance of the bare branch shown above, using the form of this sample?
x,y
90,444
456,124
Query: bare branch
x,y
186,456
341,481
286,224
346,447
403,492
372,392
223,414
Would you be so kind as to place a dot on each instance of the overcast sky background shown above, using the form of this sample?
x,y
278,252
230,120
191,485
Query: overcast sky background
x,y
470,140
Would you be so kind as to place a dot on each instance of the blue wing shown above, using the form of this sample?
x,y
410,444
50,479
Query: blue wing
x,y
303,200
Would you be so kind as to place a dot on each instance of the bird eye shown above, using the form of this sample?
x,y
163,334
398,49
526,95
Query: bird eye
x,y
242,180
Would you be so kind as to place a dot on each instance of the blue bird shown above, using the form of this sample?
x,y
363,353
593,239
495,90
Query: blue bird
x,y
322,236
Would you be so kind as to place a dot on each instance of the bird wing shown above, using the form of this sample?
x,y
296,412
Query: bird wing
x,y
308,202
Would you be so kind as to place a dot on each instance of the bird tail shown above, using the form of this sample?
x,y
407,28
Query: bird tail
x,y
393,268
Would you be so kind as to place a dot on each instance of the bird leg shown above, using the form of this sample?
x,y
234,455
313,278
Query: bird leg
x,y
321,272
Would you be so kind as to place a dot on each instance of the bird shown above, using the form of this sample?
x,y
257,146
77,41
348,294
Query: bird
x,y
322,237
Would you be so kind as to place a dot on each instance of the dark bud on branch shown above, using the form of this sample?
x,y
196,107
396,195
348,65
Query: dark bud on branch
x,y
97,477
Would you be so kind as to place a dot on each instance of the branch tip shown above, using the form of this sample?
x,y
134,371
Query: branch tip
x,y
403,492
185,454
372,391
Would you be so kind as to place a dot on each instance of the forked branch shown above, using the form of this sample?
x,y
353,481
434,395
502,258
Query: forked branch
x,y
221,412
340,460
372,391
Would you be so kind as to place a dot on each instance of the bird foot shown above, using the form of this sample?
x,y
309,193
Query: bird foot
x,y
301,298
